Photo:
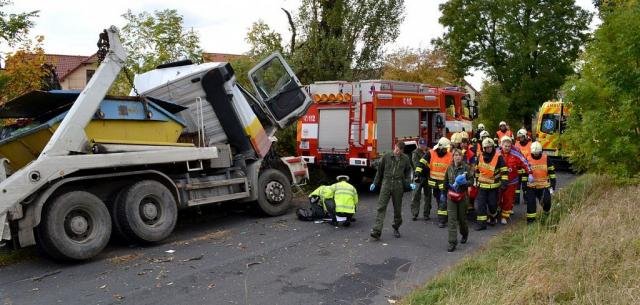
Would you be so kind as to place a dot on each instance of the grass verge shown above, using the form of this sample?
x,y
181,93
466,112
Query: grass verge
x,y
586,252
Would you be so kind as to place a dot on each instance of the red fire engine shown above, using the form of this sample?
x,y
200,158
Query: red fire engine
x,y
353,123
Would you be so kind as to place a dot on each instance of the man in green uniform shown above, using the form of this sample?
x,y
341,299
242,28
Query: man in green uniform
x,y
393,176
421,188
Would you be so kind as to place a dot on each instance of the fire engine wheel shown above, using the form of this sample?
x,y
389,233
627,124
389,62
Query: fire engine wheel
x,y
75,226
146,212
274,192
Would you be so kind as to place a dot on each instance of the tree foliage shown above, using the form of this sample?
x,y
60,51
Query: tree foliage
x,y
338,36
154,39
493,107
604,129
421,65
25,70
14,27
526,46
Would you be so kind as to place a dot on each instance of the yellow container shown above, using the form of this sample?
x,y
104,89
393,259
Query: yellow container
x,y
117,121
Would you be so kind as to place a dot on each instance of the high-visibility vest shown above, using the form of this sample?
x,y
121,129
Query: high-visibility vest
x,y
526,151
540,172
346,197
438,165
488,172
502,134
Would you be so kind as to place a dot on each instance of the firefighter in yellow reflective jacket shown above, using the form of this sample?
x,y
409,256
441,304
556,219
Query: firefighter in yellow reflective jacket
x,y
540,183
322,196
345,197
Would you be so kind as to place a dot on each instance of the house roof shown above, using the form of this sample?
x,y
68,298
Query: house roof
x,y
220,57
66,64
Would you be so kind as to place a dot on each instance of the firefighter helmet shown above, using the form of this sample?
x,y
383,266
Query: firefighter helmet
x,y
522,132
536,148
502,123
484,133
488,142
443,143
481,126
506,138
456,138
342,178
464,135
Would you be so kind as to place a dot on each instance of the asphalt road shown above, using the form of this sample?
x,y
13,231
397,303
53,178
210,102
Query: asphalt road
x,y
225,256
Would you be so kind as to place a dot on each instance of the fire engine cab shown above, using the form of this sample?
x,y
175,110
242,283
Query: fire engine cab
x,y
351,124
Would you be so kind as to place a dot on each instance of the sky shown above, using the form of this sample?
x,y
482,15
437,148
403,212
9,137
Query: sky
x,y
70,29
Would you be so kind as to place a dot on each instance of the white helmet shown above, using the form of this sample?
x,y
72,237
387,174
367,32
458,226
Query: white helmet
x,y
522,132
536,148
443,143
506,138
484,133
481,126
488,142
502,123
456,138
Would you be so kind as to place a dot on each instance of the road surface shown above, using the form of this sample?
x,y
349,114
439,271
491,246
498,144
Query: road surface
x,y
233,257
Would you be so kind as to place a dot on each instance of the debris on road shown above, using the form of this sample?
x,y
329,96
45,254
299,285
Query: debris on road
x,y
122,259
38,278
197,258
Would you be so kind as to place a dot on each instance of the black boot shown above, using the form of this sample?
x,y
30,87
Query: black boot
x,y
396,233
375,235
451,248
464,239
481,226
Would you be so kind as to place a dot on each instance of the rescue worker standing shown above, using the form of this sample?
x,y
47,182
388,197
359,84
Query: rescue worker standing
x,y
491,171
524,146
515,163
477,135
541,186
345,197
393,175
437,160
456,182
421,188
503,130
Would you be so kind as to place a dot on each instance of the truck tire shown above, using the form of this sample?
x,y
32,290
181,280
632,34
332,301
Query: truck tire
x,y
146,212
75,226
274,192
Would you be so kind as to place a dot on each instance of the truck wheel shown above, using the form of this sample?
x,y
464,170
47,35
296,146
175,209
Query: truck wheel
x,y
146,212
274,192
74,226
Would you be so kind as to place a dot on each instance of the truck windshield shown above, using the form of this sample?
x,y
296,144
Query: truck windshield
x,y
548,123
271,79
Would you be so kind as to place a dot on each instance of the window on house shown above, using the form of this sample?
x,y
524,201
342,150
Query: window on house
x,y
90,74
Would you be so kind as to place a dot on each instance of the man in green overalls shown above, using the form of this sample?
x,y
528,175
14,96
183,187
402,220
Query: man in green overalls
x,y
394,176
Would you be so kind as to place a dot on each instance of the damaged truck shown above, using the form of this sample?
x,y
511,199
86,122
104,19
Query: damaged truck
x,y
76,167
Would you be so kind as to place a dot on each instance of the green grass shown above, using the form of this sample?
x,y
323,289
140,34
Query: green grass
x,y
586,252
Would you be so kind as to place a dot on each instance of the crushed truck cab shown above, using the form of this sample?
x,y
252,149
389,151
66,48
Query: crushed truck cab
x,y
94,165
